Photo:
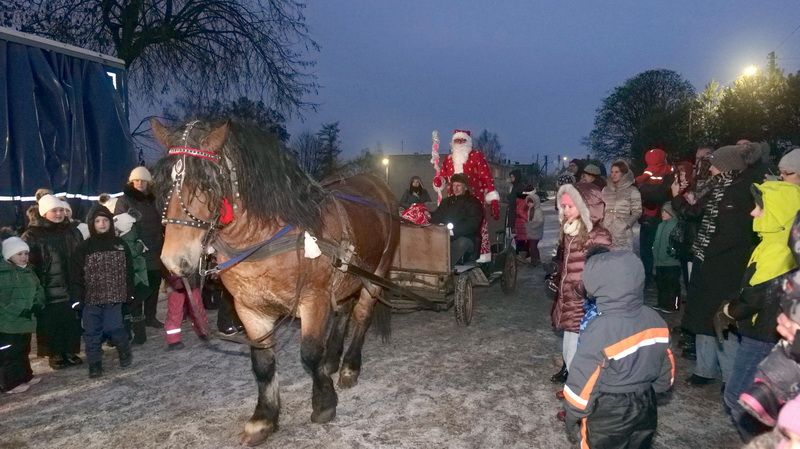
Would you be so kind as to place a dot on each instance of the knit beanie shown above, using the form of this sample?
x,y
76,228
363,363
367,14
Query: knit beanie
x,y
123,223
100,211
667,207
592,170
47,203
790,162
12,246
140,173
728,158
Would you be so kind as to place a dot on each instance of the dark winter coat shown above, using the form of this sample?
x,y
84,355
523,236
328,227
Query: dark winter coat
x,y
567,310
21,295
103,268
719,276
625,349
758,304
150,229
410,197
465,212
51,248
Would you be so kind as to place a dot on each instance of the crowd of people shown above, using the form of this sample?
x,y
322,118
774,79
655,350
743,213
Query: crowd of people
x,y
65,280
714,241
719,240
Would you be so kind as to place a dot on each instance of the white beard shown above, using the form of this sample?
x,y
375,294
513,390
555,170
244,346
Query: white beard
x,y
460,155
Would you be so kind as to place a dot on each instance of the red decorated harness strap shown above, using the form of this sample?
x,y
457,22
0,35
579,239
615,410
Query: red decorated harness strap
x,y
194,152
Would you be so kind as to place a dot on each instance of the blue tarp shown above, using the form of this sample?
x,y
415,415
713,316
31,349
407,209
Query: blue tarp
x,y
63,126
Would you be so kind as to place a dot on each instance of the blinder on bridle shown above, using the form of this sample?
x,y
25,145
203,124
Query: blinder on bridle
x,y
223,216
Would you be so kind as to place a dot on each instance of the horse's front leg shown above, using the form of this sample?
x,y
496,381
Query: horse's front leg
x,y
265,417
314,316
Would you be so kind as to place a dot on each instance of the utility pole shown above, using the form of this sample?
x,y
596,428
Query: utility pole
x,y
545,164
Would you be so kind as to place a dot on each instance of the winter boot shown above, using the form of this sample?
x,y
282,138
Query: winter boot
x,y
139,331
95,370
57,362
125,357
561,376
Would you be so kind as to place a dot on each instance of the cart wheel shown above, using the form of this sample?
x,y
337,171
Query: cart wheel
x,y
464,305
508,283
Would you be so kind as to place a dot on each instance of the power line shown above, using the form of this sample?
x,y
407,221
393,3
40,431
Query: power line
x,y
787,38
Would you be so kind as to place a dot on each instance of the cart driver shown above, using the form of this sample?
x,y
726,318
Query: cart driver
x,y
462,213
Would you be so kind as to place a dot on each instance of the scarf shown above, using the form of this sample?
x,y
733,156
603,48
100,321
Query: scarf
x,y
571,228
708,225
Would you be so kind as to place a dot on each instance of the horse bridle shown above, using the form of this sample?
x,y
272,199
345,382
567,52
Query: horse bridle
x,y
212,226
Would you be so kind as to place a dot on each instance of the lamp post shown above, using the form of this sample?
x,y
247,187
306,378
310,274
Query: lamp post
x,y
564,162
385,163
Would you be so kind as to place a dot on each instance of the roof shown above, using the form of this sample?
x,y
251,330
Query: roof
x,y
12,35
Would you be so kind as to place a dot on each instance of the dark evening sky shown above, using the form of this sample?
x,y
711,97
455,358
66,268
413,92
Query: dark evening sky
x,y
534,72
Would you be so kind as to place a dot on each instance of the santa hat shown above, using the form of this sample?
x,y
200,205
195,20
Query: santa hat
x,y
141,173
123,223
461,134
13,246
47,203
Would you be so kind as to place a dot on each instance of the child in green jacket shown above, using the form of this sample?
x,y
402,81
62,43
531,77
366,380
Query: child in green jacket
x,y
668,267
21,296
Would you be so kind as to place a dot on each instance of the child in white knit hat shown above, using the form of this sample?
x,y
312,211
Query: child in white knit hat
x,y
21,296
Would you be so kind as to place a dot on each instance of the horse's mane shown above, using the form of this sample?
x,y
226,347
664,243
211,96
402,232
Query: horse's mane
x,y
271,184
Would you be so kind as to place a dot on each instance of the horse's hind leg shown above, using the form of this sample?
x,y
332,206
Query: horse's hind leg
x,y
361,316
314,317
335,346
265,417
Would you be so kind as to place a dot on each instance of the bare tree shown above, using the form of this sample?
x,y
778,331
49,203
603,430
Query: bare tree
x,y
307,148
489,144
204,49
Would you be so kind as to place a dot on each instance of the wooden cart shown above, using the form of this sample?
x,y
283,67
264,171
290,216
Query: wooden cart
x,y
421,267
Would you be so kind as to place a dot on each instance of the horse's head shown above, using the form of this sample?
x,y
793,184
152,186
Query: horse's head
x,y
194,184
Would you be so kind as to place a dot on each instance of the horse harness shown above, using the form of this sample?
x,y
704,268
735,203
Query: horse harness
x,y
342,254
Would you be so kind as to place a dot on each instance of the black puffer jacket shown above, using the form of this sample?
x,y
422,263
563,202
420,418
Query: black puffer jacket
x,y
51,247
150,229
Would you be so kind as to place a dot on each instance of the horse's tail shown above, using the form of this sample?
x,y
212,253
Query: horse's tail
x,y
383,321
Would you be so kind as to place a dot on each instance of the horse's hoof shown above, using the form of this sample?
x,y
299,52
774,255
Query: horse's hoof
x,y
348,378
256,432
323,416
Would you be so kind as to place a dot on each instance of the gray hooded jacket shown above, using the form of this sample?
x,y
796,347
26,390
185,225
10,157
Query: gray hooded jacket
x,y
625,349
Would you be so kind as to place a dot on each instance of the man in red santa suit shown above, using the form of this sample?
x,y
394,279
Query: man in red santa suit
x,y
464,159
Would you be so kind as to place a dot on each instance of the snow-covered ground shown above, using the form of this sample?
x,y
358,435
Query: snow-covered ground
x,y
436,385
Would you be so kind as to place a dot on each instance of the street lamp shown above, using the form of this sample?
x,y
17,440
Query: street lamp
x,y
385,163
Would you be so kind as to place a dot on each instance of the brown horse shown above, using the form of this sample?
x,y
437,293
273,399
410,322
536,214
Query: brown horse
x,y
262,192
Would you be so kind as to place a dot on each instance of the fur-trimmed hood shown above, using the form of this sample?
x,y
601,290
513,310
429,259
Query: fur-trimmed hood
x,y
588,198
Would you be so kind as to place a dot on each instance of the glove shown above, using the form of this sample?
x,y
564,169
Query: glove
x,y
438,182
26,313
495,209
722,321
